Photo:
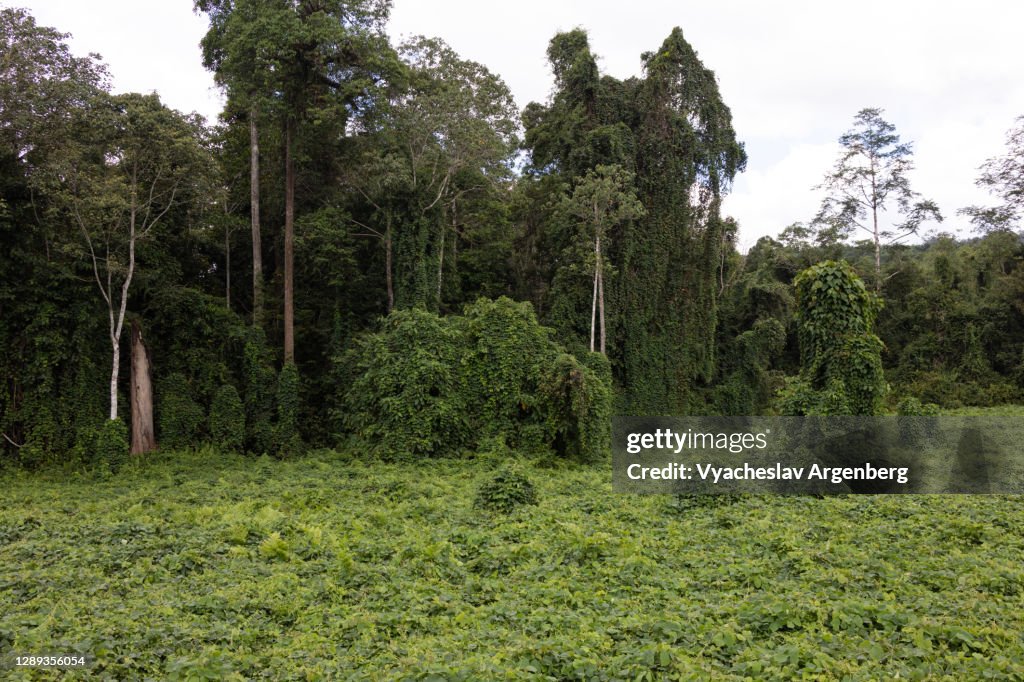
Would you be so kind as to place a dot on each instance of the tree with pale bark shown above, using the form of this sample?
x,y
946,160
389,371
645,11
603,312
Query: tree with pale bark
x,y
602,200
132,164
870,178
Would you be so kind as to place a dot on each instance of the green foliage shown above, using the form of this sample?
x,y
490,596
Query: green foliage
x,y
297,569
671,134
506,490
227,420
259,396
577,400
912,407
287,434
407,401
111,445
749,387
180,419
840,357
431,386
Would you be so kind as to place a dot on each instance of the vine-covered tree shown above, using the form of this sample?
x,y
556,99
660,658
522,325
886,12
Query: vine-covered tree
x,y
434,148
672,129
840,355
870,177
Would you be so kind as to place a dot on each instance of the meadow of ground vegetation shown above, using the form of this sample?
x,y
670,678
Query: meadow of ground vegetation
x,y
199,565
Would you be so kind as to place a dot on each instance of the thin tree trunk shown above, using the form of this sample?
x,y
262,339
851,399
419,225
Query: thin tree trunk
x,y
440,266
289,246
387,265
115,370
227,265
143,438
600,291
116,327
874,224
254,201
593,312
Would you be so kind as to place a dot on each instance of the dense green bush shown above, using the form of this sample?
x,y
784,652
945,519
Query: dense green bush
x,y
259,395
431,386
912,407
179,417
840,356
111,448
288,438
227,419
507,489
577,404
408,400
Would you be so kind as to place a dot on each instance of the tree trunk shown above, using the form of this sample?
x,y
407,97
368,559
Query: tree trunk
x,y
289,246
143,438
440,266
600,290
254,201
227,265
593,312
387,265
115,370
874,225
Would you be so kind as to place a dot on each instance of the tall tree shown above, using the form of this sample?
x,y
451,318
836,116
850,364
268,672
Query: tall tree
x,y
672,129
438,144
870,177
1003,176
307,62
131,163
240,50
602,200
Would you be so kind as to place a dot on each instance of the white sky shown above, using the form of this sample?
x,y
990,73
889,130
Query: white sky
x,y
950,75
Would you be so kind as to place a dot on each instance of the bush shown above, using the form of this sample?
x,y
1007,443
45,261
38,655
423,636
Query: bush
x,y
111,444
227,419
428,386
289,441
408,399
577,402
508,489
840,356
179,416
912,407
259,395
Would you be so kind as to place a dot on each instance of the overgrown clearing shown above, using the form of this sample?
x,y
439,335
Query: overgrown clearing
x,y
202,566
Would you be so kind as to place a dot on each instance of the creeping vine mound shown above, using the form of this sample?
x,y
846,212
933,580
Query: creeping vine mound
x,y
840,356
430,386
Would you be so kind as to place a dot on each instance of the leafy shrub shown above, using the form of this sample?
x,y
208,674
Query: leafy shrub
x,y
408,400
259,395
840,356
112,444
431,386
179,416
227,419
289,442
506,490
912,407
577,404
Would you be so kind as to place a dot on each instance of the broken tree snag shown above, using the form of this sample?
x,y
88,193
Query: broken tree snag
x,y
143,438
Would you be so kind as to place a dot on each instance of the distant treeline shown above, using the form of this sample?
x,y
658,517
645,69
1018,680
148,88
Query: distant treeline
x,y
172,282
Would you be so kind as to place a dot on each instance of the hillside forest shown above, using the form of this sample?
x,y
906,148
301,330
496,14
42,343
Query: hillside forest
x,y
374,248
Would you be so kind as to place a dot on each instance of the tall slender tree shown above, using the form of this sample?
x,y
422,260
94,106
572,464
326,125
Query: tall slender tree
x,y
132,162
871,177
